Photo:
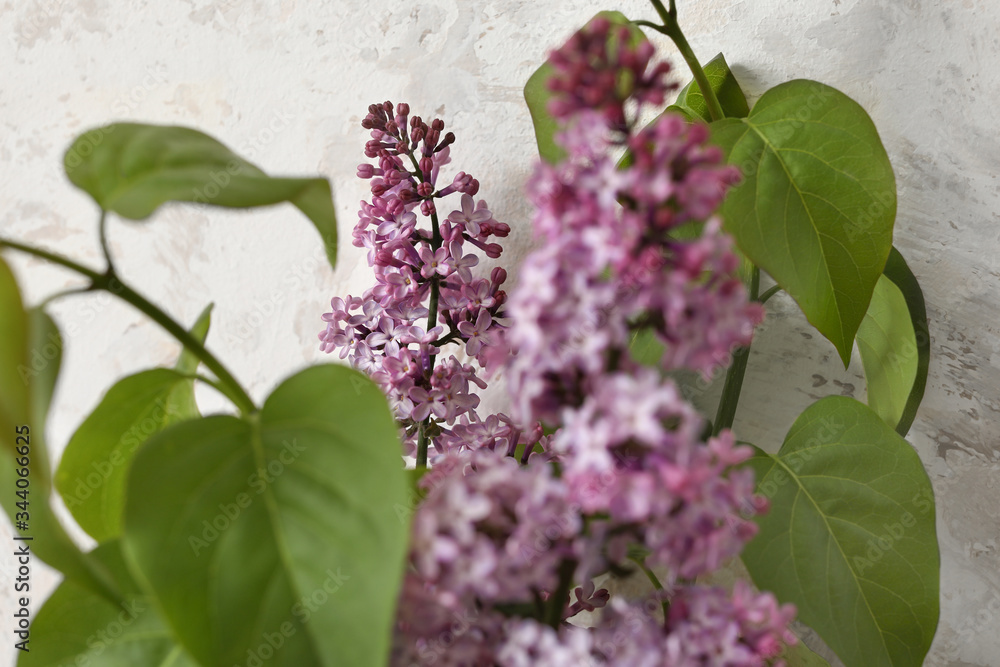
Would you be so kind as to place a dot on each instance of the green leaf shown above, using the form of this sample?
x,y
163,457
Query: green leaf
x,y
132,169
76,627
800,656
94,468
850,536
899,273
30,358
691,102
888,347
817,203
283,523
646,348
537,95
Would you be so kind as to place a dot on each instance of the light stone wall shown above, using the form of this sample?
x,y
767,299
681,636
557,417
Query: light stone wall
x,y
287,82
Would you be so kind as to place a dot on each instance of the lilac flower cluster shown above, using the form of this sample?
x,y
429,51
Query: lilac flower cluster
x,y
614,464
423,276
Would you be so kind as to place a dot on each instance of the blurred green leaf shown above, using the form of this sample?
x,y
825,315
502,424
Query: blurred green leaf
x,y
30,358
537,95
132,169
76,627
283,524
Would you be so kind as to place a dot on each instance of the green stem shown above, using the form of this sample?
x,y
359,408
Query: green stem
x,y
726,413
103,232
423,442
653,579
672,29
111,284
557,603
769,293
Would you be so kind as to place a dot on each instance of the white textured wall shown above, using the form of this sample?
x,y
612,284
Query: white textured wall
x,y
287,83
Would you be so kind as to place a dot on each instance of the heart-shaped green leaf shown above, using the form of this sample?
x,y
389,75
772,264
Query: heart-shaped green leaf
x,y
817,203
691,102
537,95
850,536
76,627
304,498
132,169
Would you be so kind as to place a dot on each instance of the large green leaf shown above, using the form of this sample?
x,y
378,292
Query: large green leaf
x,y
691,102
76,627
30,358
537,95
850,537
282,523
817,203
132,169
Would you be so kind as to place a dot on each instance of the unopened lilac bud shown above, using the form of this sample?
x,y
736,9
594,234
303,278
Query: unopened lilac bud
x,y
427,207
426,165
366,171
498,275
437,124
425,189
394,207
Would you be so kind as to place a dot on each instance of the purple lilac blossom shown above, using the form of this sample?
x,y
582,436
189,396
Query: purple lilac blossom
x,y
390,331
628,469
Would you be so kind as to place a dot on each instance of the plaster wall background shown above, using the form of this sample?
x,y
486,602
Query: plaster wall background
x,y
286,83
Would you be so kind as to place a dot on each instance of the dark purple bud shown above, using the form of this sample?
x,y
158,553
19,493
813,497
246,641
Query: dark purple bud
x,y
437,124
425,189
426,165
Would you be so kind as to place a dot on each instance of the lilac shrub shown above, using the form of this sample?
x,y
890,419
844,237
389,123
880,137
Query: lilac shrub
x,y
602,461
